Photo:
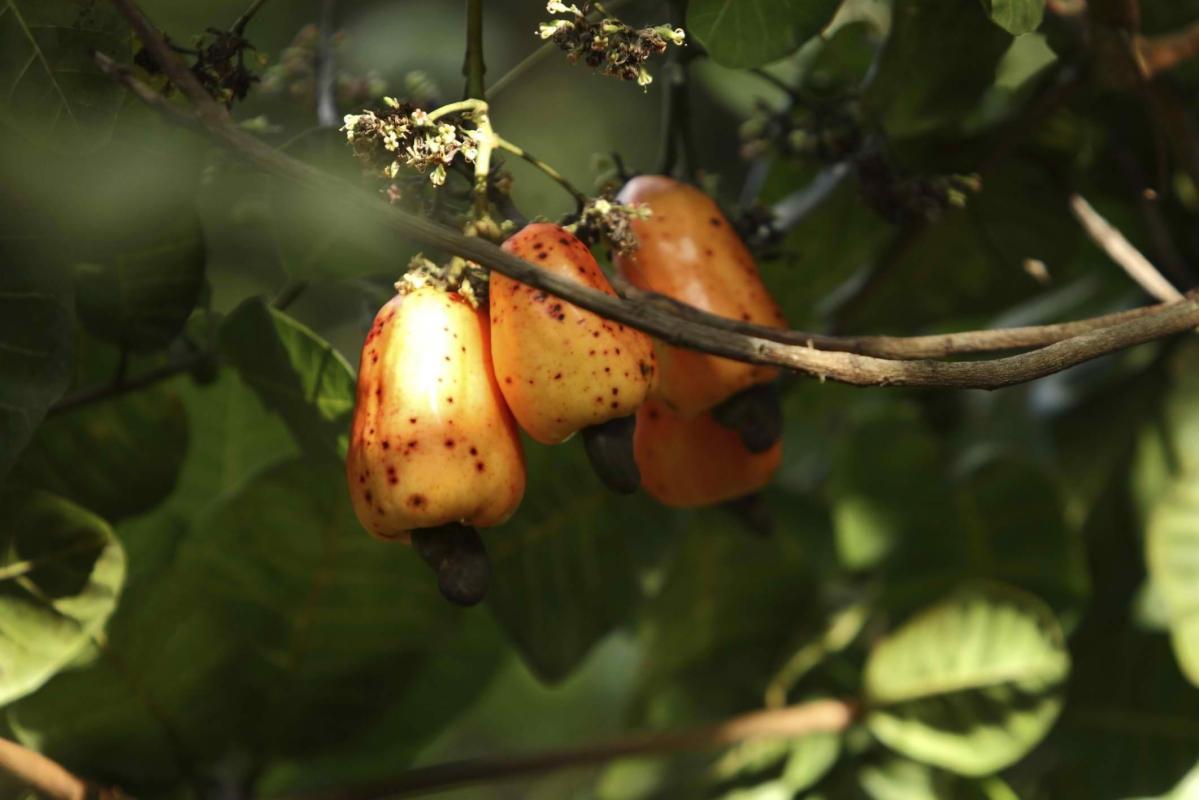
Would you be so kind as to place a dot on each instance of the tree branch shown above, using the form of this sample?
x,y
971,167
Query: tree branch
x,y
702,331
239,27
1163,53
48,778
1122,251
86,397
818,716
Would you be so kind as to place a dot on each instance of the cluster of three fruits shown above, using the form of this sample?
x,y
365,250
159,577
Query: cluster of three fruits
x,y
434,440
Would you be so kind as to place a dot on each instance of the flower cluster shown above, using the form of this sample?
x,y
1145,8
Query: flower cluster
x,y
607,44
603,218
404,136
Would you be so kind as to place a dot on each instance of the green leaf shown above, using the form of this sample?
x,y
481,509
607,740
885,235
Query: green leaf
x,y
448,684
900,779
36,345
295,373
232,437
151,701
1130,726
565,567
972,683
1172,545
275,623
749,33
118,458
1167,480
1006,519
49,87
61,570
939,60
138,292
1015,16
331,623
775,767
731,608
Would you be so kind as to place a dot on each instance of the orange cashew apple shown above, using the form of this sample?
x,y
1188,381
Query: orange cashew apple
x,y
562,368
432,442
696,462
688,250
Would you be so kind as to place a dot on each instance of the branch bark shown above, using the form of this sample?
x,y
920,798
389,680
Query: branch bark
x,y
1122,251
48,778
818,716
699,330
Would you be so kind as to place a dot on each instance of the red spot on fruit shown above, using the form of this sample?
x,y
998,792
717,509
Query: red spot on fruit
x,y
449,443
416,500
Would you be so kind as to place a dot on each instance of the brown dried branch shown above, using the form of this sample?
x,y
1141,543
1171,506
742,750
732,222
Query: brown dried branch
x,y
700,330
47,778
819,716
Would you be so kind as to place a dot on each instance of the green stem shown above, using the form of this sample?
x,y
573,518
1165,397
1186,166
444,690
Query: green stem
x,y
239,27
473,67
533,59
552,173
678,145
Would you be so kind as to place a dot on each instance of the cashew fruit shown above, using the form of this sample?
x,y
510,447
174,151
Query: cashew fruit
x,y
693,462
688,250
432,441
562,368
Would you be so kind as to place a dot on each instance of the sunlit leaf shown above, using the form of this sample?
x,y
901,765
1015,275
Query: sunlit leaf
x,y
972,683
749,33
295,373
1015,16
61,570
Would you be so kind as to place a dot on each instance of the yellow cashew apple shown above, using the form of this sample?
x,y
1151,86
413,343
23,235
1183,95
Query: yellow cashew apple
x,y
432,441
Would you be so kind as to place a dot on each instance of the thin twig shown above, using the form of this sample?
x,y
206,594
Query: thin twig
x,y
692,333
550,172
1163,53
109,391
239,27
326,69
176,70
1122,251
47,778
678,156
818,716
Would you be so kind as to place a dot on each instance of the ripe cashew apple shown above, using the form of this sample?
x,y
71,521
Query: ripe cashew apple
x,y
432,441
562,368
689,251
693,462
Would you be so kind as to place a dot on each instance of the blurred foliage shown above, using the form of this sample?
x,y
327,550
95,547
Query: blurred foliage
x,y
1005,581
